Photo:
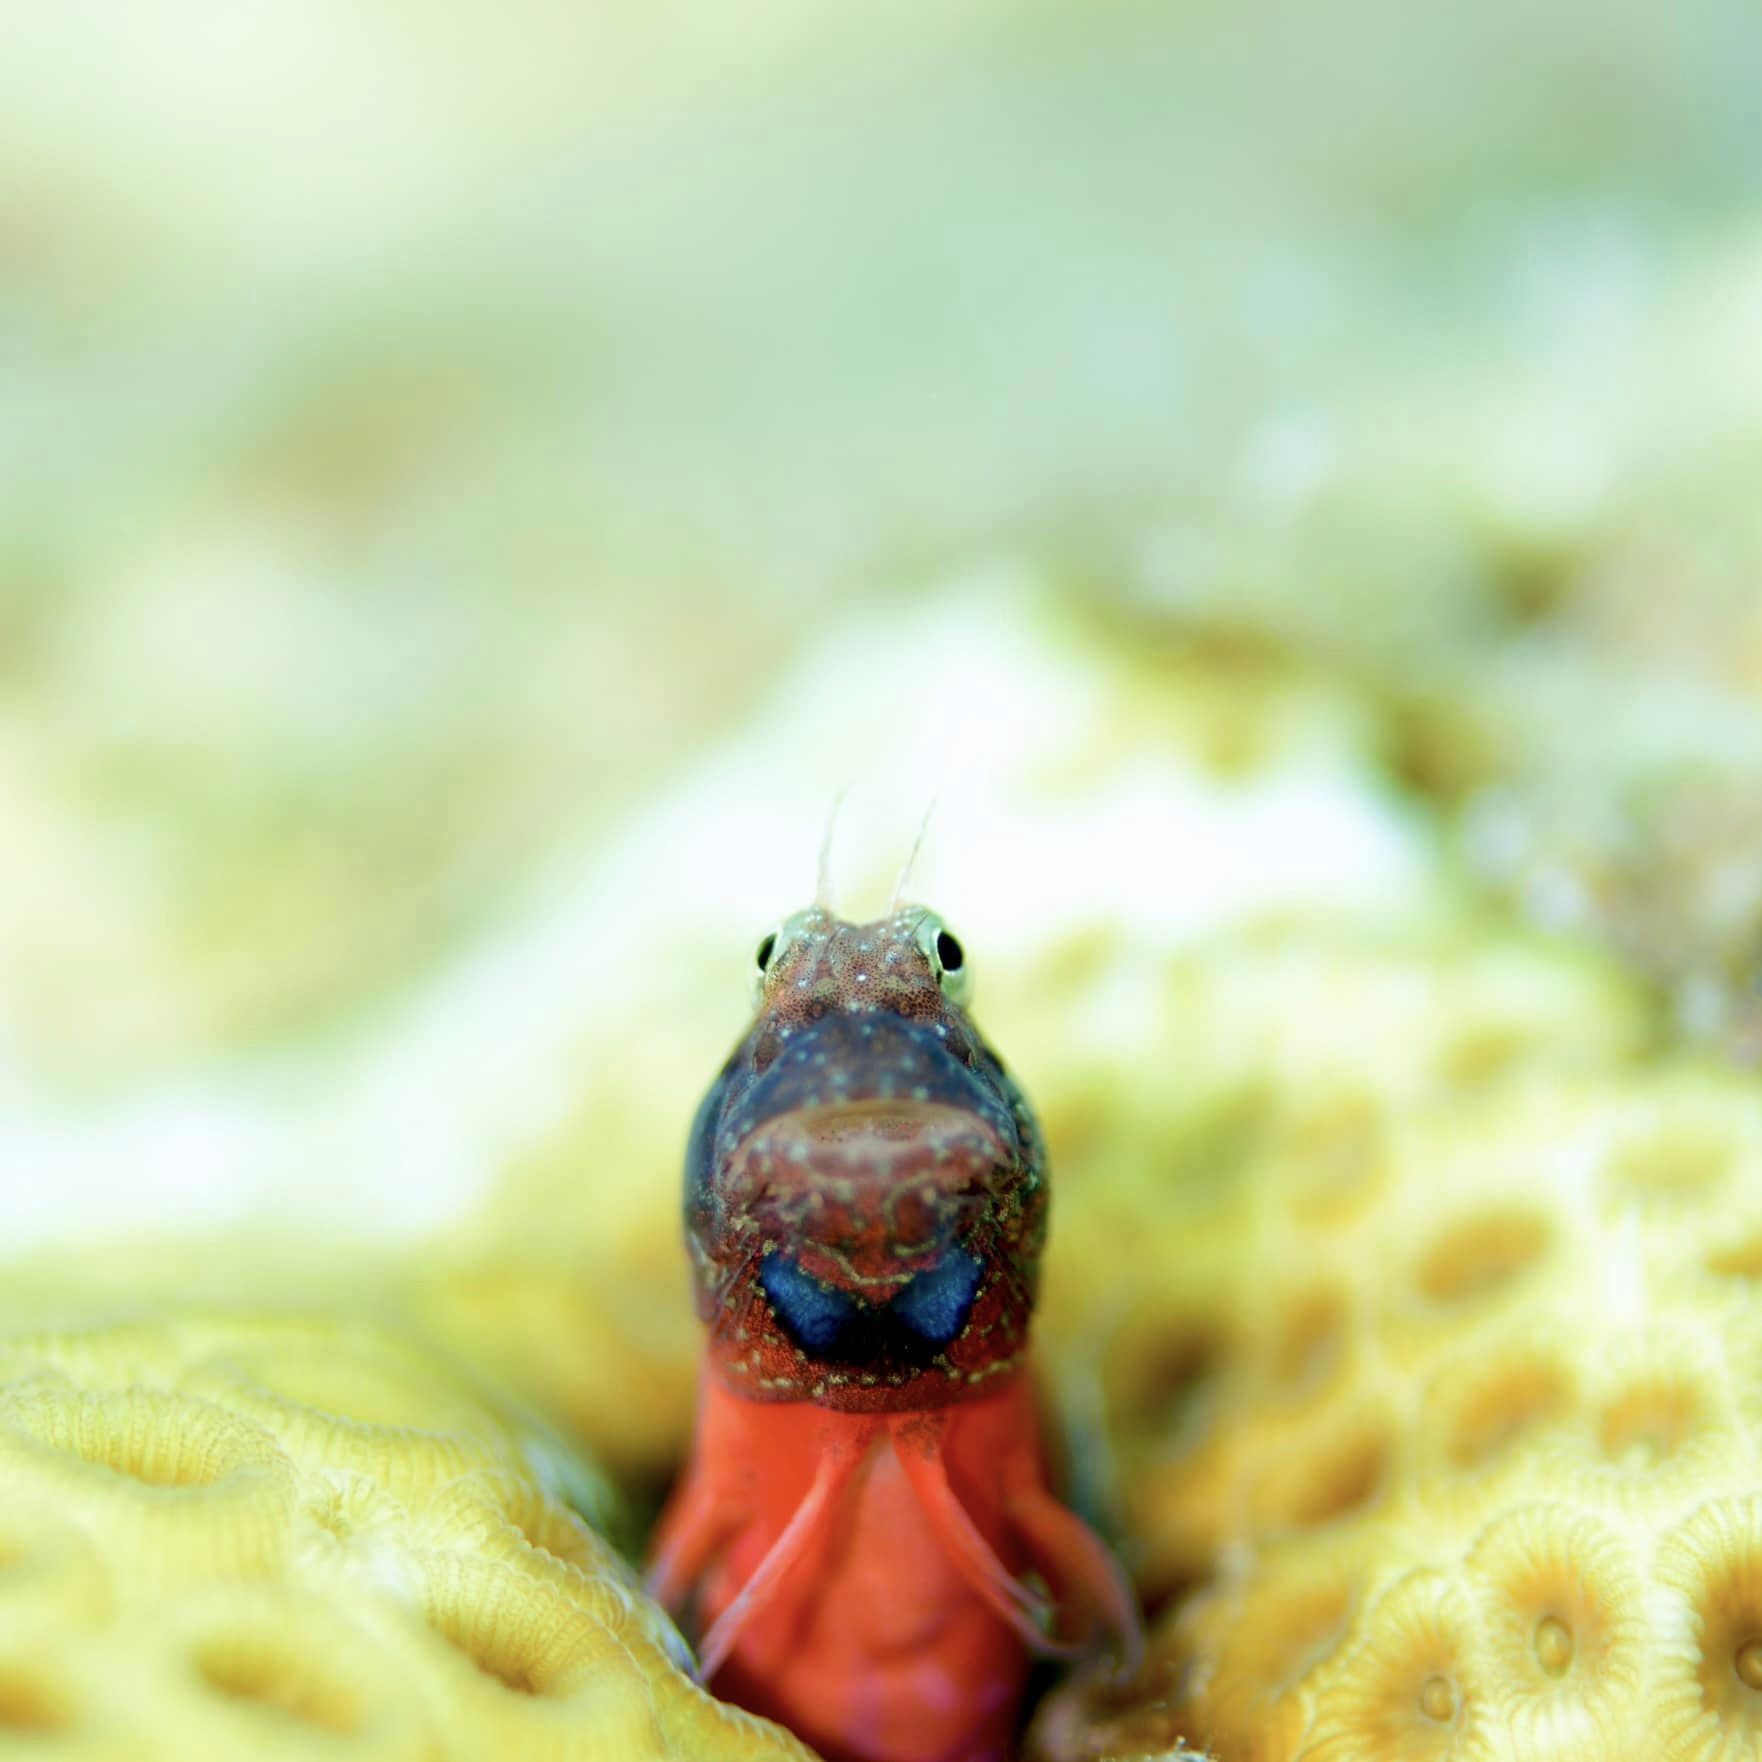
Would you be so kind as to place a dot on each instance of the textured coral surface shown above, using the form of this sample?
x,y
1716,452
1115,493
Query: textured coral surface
x,y
1466,1467
228,1536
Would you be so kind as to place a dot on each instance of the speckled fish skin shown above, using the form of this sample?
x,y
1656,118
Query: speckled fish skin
x,y
865,1184
867,1492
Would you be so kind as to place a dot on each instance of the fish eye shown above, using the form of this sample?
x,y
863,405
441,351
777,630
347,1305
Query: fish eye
x,y
948,960
783,943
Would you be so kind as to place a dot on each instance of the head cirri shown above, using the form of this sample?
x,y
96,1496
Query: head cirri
x,y
865,1191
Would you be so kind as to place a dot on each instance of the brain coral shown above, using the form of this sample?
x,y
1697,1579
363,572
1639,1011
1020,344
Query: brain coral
x,y
1474,1476
268,1537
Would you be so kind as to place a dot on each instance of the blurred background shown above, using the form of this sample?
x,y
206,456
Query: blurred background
x,y
474,484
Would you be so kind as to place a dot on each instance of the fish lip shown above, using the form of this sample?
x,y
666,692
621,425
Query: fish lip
x,y
874,1135
857,1057
864,1198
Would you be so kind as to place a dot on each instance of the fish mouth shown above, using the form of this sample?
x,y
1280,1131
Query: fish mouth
x,y
871,1213
882,1140
868,1196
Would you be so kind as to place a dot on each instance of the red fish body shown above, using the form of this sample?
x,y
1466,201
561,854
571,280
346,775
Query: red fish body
x,y
866,1498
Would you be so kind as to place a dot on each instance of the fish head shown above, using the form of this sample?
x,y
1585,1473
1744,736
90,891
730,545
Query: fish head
x,y
865,1182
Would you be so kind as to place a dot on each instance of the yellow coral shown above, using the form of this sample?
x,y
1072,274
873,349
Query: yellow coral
x,y
1710,1683
1256,1690
1415,1685
272,1538
1563,1615
1468,1469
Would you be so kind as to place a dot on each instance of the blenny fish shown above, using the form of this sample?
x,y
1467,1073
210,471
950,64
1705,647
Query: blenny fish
x,y
865,1539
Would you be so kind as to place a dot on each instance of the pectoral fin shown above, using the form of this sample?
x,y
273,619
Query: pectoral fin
x,y
919,1449
1080,1568
694,1528
806,1526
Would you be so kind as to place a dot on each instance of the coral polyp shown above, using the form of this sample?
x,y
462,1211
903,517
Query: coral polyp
x,y
239,1535
1259,1679
1468,1471
1414,1682
1710,1701
1563,1607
